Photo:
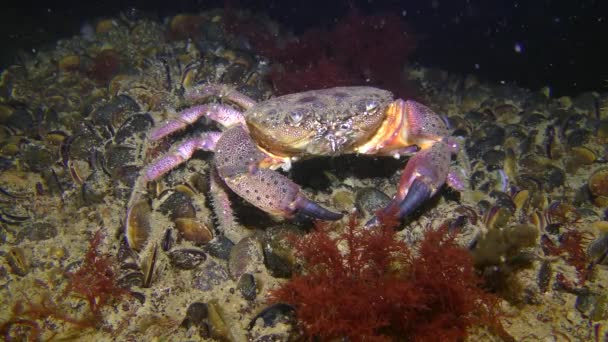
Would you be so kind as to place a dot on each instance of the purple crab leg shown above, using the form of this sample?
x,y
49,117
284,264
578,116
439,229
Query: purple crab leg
x,y
222,114
237,159
222,91
180,154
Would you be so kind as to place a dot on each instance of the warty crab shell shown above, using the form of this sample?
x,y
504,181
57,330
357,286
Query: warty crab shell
x,y
318,122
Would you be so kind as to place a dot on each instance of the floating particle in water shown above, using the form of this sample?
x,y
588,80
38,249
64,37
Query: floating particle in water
x,y
518,47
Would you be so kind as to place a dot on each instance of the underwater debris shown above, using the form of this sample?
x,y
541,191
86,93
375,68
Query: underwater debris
x,y
368,284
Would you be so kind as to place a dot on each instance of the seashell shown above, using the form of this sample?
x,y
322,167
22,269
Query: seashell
x,y
278,254
135,126
217,321
190,75
246,257
167,241
104,26
598,248
184,26
497,217
18,261
370,200
137,225
119,156
247,286
193,230
37,157
187,258
131,279
598,182
115,112
520,199
177,205
279,312
14,215
210,275
545,273
197,313
148,266
219,247
186,189
95,188
583,155
69,63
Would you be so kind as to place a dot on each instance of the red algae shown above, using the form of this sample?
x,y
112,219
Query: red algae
x,y
104,66
369,285
95,281
571,247
358,50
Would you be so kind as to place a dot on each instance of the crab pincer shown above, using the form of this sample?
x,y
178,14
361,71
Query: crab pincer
x,y
424,174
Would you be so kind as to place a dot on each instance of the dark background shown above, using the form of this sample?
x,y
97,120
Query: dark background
x,y
563,43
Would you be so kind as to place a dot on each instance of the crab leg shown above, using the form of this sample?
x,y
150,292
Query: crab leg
x,y
237,160
222,114
224,92
183,152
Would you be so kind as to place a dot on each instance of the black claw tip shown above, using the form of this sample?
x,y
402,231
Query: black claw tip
x,y
417,194
312,209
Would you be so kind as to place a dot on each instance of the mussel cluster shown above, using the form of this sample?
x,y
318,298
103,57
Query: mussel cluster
x,y
73,126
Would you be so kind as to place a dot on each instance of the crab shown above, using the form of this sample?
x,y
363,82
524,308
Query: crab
x,y
272,134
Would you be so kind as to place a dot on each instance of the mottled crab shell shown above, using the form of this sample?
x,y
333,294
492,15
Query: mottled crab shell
x,y
318,122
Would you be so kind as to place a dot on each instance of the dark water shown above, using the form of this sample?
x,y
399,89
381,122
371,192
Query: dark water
x,y
532,43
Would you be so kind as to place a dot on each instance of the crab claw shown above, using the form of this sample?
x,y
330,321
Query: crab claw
x,y
424,175
303,205
237,161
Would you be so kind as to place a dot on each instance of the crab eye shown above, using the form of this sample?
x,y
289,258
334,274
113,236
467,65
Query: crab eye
x,y
296,116
346,125
370,106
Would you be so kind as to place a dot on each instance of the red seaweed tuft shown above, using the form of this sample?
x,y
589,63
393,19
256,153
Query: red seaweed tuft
x,y
358,50
96,280
368,285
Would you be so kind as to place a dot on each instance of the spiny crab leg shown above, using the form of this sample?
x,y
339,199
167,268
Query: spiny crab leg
x,y
222,114
169,161
221,91
237,161
183,152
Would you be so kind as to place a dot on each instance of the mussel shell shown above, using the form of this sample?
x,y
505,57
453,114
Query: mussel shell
x,y
138,228
193,230
246,256
187,258
598,182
